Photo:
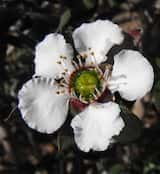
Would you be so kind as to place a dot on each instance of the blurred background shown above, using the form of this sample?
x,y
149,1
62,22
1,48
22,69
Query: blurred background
x,y
23,23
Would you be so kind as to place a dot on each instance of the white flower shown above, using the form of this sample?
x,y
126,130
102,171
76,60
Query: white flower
x,y
44,100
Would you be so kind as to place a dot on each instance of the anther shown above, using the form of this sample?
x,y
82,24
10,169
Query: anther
x,y
63,57
59,62
84,56
63,84
64,81
108,66
62,63
63,91
92,53
57,92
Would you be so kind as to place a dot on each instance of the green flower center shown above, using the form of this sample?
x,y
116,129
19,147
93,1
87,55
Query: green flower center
x,y
85,83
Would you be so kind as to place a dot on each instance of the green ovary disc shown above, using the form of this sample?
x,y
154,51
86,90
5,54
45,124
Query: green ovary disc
x,y
85,82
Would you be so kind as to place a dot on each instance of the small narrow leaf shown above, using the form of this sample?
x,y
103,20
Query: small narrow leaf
x,y
65,17
132,129
156,93
158,62
89,4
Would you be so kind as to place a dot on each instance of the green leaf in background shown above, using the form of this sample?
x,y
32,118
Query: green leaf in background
x,y
116,169
158,62
65,18
89,4
132,129
151,168
156,93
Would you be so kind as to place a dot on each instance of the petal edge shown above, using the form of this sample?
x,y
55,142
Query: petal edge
x,y
40,106
97,37
132,75
96,125
49,53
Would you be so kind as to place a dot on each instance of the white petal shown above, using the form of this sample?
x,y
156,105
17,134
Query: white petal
x,y
96,125
132,75
41,107
48,55
97,37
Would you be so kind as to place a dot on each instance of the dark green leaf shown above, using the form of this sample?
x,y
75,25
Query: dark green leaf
x,y
132,129
116,169
156,93
89,4
158,62
64,19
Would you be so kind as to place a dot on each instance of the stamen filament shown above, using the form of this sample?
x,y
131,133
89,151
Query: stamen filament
x,y
66,80
73,93
95,97
75,64
107,72
81,99
97,91
64,84
79,61
95,63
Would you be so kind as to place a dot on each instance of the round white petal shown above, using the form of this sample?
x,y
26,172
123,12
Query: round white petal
x,y
48,55
97,37
41,107
96,125
132,75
